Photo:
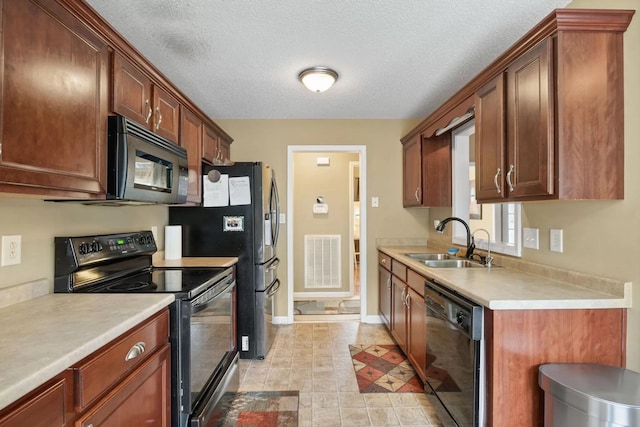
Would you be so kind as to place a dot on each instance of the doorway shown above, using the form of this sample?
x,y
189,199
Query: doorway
x,y
326,229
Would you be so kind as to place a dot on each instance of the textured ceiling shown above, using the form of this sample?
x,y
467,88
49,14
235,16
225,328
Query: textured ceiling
x,y
396,58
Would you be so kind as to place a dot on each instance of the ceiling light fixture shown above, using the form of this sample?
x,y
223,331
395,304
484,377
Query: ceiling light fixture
x,y
318,79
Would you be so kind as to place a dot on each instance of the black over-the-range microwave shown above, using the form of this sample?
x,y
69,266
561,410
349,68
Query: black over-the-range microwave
x,y
143,166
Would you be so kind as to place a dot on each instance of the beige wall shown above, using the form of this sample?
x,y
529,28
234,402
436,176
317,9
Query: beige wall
x,y
600,237
268,140
38,222
332,183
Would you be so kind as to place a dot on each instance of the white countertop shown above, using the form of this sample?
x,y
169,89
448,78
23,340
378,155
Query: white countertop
x,y
41,337
510,289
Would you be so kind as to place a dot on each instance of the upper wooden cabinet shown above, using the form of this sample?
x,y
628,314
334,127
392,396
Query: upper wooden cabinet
x,y
191,138
215,148
54,102
427,171
412,167
136,97
549,111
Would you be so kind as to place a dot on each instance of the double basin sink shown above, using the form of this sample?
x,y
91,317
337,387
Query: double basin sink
x,y
445,261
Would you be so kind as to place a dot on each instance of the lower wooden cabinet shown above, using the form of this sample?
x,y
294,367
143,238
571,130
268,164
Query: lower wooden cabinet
x,y
49,406
384,295
417,332
125,383
136,401
403,292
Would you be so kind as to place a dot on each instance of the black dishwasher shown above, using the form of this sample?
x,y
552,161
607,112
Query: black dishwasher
x,y
455,372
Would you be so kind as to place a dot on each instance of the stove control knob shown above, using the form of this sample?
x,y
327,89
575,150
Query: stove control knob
x,y
84,248
96,247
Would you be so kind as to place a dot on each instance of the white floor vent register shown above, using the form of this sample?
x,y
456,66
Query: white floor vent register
x,y
322,261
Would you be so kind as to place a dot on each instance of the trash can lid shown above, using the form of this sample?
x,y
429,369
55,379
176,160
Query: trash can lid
x,y
607,392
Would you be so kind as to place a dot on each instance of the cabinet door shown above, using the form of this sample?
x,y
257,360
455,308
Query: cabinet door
x,y
530,123
417,332
225,149
412,168
210,145
166,114
490,141
142,398
50,406
436,171
54,102
399,312
191,140
132,96
384,295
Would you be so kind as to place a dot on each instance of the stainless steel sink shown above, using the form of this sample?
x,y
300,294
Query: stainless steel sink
x,y
453,263
425,257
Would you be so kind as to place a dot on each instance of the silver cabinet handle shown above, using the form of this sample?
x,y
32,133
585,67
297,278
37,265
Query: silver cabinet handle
x,y
416,194
495,181
389,282
509,178
149,111
406,302
135,351
402,297
159,118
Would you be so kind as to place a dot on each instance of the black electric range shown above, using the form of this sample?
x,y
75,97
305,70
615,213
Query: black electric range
x,y
204,355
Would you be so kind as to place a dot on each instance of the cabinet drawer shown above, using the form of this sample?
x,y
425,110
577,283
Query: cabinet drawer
x,y
384,260
399,270
415,281
100,371
48,406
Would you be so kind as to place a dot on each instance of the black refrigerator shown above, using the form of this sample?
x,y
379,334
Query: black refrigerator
x,y
239,217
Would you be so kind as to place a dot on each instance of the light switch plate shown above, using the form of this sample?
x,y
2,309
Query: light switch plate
x,y
283,218
530,237
375,202
555,240
11,250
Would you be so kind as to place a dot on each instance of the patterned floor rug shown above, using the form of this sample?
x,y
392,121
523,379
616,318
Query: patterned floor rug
x,y
384,369
261,409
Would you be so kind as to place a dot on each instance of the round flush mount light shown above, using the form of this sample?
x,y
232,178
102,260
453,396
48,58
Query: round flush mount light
x,y
318,79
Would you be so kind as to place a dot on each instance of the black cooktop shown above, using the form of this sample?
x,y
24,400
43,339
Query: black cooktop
x,y
184,282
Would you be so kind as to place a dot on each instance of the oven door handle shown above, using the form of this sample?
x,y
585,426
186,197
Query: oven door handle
x,y
274,288
200,303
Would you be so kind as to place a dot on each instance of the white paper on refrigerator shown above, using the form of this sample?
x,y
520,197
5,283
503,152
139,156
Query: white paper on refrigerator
x,y
215,194
239,191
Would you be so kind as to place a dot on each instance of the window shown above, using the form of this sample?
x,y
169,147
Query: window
x,y
501,220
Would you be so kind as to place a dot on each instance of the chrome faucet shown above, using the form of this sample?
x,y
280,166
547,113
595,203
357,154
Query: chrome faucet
x,y
470,243
489,259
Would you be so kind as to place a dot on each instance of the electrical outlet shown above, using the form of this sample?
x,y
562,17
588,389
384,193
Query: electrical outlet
x,y
11,250
245,343
530,238
375,202
555,240
283,218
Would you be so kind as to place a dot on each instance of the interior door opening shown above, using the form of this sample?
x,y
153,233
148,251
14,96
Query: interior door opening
x,y
326,233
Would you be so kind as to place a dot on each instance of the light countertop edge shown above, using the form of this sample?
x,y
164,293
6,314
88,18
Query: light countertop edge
x,y
511,289
188,262
72,326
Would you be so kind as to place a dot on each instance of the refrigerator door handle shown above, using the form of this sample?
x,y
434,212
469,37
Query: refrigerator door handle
x,y
274,264
273,289
275,210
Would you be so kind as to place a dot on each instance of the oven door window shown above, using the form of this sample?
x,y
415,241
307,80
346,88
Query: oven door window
x,y
152,172
212,341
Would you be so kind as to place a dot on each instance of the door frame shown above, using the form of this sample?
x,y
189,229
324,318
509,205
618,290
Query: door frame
x,y
362,151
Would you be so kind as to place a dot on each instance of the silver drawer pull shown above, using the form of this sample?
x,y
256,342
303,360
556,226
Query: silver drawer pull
x,y
135,351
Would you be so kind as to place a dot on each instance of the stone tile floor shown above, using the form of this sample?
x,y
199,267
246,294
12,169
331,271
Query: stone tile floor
x,y
314,359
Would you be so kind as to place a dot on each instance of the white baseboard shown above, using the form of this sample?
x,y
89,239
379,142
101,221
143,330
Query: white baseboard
x,y
372,319
280,320
303,296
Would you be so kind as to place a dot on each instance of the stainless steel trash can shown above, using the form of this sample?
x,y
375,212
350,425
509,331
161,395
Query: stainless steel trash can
x,y
589,395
